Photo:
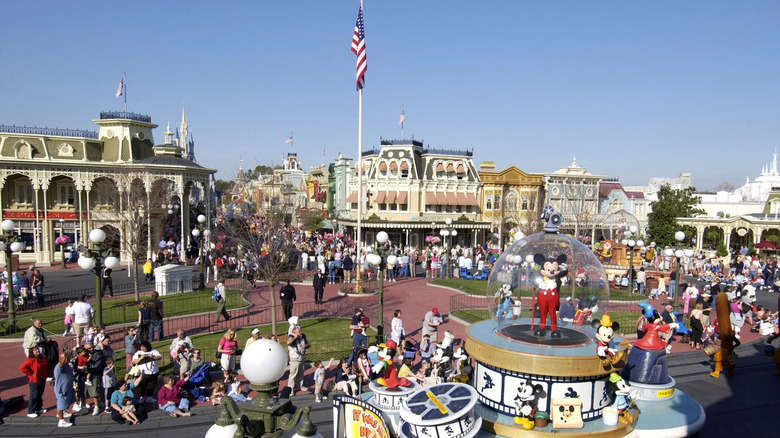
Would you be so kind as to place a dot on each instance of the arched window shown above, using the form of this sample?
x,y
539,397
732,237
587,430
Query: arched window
x,y
488,202
524,205
511,201
498,201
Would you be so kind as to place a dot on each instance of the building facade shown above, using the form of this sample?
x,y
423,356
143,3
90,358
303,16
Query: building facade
x,y
410,190
511,201
57,182
574,192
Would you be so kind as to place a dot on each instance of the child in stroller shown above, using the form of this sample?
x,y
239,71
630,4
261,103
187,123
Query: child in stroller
x,y
197,386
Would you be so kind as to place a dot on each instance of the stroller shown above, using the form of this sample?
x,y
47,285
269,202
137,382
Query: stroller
x,y
682,330
198,385
410,349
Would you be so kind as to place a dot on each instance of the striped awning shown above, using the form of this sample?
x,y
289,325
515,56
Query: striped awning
x,y
391,197
441,198
382,166
430,198
402,197
450,168
393,166
452,199
461,169
471,199
380,197
462,199
440,168
352,197
404,166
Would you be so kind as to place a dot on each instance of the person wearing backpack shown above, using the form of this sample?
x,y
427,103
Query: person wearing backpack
x,y
220,296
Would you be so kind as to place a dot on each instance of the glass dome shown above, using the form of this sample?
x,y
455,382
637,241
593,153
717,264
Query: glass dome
x,y
616,224
515,280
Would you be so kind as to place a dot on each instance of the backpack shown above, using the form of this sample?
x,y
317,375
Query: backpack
x,y
215,295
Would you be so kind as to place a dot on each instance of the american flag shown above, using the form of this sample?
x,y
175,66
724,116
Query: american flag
x,y
359,49
403,117
120,87
288,141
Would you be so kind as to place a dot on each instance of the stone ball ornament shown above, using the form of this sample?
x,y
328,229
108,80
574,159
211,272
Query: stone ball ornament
x,y
263,362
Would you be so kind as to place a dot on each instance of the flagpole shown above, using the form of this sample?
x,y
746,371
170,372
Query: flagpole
x,y
358,247
124,79
402,122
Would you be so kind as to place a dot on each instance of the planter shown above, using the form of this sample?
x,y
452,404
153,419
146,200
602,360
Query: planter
x,y
541,419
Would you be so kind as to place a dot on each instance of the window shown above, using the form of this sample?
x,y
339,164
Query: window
x,y
488,202
438,209
404,173
428,207
24,192
449,209
403,207
511,201
66,194
382,206
468,209
354,206
615,205
524,204
498,201
393,207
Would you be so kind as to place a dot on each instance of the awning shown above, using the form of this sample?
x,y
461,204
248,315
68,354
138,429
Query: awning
x,y
352,198
380,197
440,168
393,166
382,166
462,199
461,169
452,199
404,166
441,198
430,198
402,196
450,168
472,199
391,197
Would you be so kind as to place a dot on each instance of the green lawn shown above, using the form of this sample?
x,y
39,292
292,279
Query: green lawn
x,y
479,287
329,338
125,310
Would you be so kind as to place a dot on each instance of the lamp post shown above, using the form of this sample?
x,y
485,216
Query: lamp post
x,y
447,232
196,232
630,242
677,253
9,243
381,259
263,364
97,258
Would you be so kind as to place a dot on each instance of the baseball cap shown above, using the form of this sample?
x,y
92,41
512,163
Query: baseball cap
x,y
435,311
255,331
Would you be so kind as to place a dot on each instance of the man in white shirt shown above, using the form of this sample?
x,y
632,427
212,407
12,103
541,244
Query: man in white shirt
x,y
82,314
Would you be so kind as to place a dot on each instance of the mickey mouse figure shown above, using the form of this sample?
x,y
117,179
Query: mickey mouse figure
x,y
526,401
548,297
605,331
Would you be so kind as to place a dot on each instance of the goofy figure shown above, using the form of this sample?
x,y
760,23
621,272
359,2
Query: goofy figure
x,y
548,297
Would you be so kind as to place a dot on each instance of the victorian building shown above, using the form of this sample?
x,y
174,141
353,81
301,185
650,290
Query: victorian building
x,y
410,190
574,192
56,182
511,201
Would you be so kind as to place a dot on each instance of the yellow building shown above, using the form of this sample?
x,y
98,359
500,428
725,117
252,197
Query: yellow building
x,y
511,201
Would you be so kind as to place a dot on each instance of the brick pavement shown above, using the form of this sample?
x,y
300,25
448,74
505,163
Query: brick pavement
x,y
414,296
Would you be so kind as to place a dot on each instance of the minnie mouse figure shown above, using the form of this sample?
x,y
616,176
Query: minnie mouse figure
x,y
548,297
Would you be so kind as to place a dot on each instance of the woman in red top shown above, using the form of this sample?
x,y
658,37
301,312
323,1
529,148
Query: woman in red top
x,y
36,369
169,397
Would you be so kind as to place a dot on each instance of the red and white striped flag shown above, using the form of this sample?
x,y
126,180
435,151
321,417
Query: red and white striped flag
x,y
359,49
288,141
403,117
120,88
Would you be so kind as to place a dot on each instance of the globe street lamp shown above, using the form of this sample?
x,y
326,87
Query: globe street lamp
x,y
677,253
9,243
263,363
630,242
446,232
381,257
196,232
96,259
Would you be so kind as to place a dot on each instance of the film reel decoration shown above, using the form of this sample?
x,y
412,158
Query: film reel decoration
x,y
444,410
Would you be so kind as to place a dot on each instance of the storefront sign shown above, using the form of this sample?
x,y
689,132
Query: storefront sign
x,y
24,214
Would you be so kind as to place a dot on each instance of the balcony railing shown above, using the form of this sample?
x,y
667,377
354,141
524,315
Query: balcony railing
x,y
54,132
123,115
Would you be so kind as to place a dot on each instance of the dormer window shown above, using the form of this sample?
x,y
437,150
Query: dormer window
x,y
439,170
383,169
404,169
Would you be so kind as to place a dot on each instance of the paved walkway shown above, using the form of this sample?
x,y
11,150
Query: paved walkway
x,y
414,296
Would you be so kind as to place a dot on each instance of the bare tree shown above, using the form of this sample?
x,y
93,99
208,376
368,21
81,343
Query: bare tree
x,y
268,246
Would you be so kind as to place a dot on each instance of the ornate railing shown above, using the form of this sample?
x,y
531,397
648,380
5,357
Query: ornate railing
x,y
123,115
58,132
466,153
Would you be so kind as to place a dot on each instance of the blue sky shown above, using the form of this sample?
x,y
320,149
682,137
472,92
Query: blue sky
x,y
632,89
